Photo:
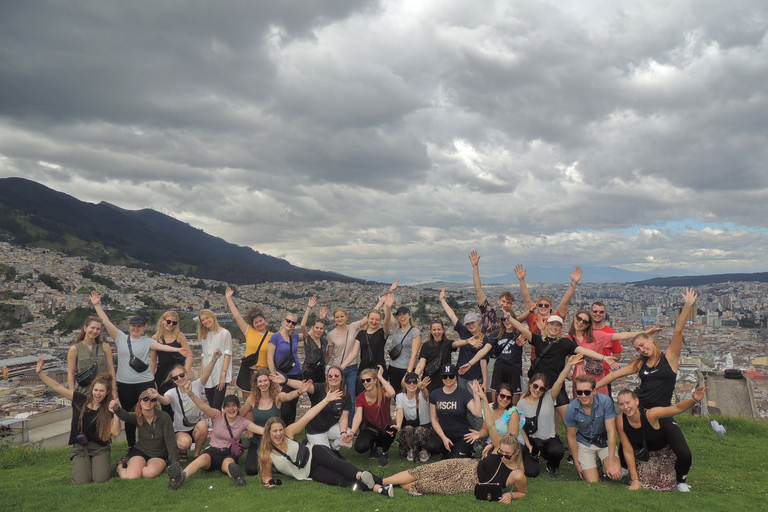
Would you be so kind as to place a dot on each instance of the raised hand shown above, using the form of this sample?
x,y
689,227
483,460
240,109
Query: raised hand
x,y
389,299
442,294
652,331
689,296
333,395
39,367
323,312
152,393
395,283
520,272
312,302
95,297
576,275
575,359
700,393
474,258
424,383
306,385
229,292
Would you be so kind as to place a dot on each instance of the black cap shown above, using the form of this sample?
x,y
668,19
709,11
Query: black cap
x,y
137,320
231,399
403,309
449,369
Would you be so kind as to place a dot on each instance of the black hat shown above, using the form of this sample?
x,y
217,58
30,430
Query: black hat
x,y
231,399
137,320
403,309
449,369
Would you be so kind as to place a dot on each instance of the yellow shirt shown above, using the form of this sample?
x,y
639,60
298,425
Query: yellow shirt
x,y
252,341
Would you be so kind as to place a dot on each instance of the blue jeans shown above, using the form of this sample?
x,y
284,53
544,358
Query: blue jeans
x,y
350,381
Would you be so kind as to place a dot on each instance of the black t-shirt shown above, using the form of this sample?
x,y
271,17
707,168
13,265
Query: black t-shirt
x,y
442,351
508,351
331,414
90,428
553,362
657,384
371,349
452,411
491,469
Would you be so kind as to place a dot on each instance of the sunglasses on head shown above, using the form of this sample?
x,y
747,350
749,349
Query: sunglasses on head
x,y
179,376
583,392
171,322
598,311
289,321
147,399
505,397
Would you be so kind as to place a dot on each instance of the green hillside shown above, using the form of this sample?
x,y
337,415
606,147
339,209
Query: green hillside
x,y
729,475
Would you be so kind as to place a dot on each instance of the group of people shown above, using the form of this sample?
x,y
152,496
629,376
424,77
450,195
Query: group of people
x,y
351,379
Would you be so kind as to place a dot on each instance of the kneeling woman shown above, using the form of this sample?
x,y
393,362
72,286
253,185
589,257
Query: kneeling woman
x,y
453,476
316,463
646,451
92,426
156,445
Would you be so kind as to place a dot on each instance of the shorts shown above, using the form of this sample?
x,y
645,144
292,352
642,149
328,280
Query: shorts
x,y
587,455
505,373
562,397
218,456
135,452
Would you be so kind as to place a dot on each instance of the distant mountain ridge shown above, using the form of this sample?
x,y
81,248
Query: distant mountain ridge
x,y
33,214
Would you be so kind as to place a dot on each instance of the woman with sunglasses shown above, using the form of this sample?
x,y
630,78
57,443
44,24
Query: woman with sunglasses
x,y
315,345
264,402
156,444
283,357
657,371
169,334
187,417
413,418
508,367
371,339
224,449
330,423
372,416
87,346
434,354
504,466
540,430
645,449
448,407
582,333
317,462
92,426
405,340
541,308
254,328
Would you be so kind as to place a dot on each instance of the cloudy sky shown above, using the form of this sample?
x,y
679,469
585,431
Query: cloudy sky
x,y
388,139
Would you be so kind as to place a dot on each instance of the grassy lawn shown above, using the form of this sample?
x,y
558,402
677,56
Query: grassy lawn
x,y
729,475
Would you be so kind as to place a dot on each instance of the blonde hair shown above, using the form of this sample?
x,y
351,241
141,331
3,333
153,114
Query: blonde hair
x,y
161,325
265,449
364,325
510,440
379,393
202,331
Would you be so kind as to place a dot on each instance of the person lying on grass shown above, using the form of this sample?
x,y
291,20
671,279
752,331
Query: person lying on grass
x,y
317,462
224,450
502,464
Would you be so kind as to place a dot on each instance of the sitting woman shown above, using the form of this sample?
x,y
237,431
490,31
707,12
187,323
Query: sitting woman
x,y
646,451
540,429
448,407
412,418
452,476
373,417
264,400
326,428
187,417
224,450
156,444
317,462
93,424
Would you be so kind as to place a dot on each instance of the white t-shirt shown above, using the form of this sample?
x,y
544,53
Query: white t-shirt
x,y
191,411
409,408
223,341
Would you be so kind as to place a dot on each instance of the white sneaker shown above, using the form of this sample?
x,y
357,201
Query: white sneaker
x,y
410,455
683,487
423,456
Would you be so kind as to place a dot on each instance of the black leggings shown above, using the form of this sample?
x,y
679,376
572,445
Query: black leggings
x,y
128,394
252,458
396,378
371,437
551,449
215,396
288,409
531,464
461,449
328,469
677,442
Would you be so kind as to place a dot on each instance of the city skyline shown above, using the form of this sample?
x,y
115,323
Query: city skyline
x,y
387,139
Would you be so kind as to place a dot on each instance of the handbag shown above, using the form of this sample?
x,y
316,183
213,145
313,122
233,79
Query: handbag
x,y
134,362
396,350
235,446
302,456
642,454
287,362
593,366
85,377
184,420
490,490
535,363
531,424
434,365
315,366
246,372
